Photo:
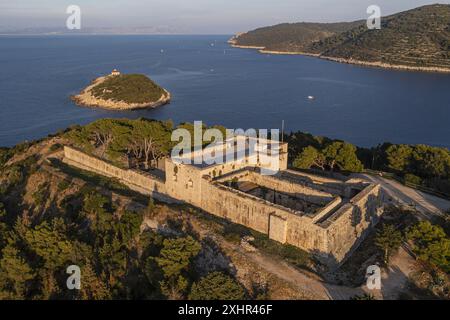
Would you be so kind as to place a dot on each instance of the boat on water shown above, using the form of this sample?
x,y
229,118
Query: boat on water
x,y
311,98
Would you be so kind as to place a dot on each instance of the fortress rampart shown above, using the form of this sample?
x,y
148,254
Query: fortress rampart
x,y
336,218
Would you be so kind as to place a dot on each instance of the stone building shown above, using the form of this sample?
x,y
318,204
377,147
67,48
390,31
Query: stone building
x,y
115,72
327,217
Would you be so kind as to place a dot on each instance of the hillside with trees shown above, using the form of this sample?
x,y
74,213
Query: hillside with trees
x,y
131,247
53,216
127,245
419,166
292,37
416,38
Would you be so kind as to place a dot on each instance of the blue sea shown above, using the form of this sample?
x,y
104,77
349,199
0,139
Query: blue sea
x,y
212,82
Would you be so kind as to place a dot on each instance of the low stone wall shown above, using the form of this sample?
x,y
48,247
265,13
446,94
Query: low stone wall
x,y
136,180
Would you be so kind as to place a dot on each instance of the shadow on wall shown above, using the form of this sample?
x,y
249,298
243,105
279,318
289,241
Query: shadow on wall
x,y
155,194
370,218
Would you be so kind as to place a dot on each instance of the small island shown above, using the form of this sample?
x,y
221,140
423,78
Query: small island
x,y
123,92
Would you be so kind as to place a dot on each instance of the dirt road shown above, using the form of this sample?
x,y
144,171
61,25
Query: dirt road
x,y
427,205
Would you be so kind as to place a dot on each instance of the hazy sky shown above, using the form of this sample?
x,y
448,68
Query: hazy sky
x,y
192,16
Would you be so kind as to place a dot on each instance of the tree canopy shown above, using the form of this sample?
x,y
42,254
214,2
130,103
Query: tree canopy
x,y
217,286
431,244
388,239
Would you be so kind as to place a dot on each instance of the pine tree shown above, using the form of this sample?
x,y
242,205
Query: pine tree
x,y
217,286
92,287
388,239
15,274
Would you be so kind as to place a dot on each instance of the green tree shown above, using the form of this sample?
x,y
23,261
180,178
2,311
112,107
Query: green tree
x,y
177,254
4,228
431,161
92,286
50,244
399,157
175,260
129,226
308,158
342,155
388,239
431,244
94,207
217,286
149,141
15,274
101,132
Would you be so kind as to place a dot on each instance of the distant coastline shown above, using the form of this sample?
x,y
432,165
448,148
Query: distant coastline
x,y
376,64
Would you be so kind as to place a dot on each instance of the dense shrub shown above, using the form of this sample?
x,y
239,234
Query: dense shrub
x,y
217,286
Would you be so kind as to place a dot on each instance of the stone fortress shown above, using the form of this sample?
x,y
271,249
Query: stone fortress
x,y
324,216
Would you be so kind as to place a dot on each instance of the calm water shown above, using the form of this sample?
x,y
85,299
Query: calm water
x,y
220,85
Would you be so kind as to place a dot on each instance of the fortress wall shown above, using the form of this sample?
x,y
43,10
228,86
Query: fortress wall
x,y
239,207
328,185
136,180
184,182
256,214
302,233
300,191
226,168
327,209
349,226
333,239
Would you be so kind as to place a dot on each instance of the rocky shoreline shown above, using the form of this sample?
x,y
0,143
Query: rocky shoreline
x,y
375,64
86,98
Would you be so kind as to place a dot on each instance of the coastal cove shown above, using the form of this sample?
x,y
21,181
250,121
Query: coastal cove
x,y
213,82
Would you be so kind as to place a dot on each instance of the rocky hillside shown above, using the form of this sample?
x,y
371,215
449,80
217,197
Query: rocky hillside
x,y
418,38
127,246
